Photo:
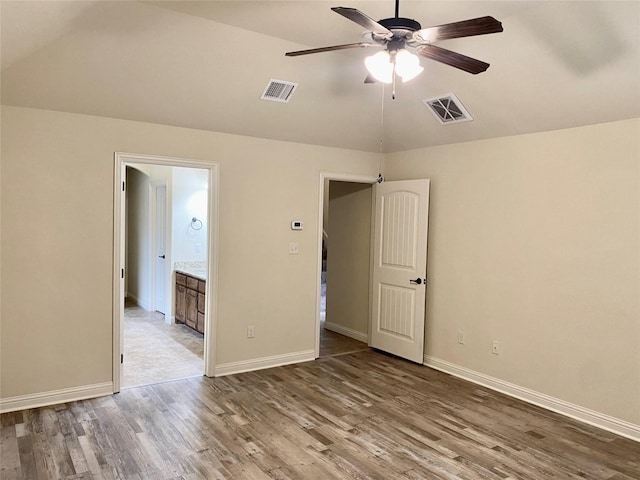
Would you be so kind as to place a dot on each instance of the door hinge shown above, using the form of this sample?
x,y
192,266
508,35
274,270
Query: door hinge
x,y
123,186
122,273
122,358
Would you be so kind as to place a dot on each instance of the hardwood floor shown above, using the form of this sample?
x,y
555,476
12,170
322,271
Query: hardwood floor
x,y
332,344
357,416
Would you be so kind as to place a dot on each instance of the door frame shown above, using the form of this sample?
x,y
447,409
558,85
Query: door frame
x,y
339,177
121,161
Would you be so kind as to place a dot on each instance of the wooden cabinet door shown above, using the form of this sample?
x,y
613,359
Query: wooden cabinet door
x,y
192,308
202,300
200,326
181,303
190,301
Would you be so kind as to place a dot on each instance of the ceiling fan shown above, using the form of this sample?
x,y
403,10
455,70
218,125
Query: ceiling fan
x,y
400,35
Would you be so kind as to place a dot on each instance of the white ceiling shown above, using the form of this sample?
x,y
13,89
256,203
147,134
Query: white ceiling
x,y
204,65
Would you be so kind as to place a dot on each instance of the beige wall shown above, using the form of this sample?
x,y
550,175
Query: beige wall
x,y
534,241
137,239
57,241
348,257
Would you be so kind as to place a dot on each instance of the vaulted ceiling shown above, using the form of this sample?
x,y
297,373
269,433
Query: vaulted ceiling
x,y
204,65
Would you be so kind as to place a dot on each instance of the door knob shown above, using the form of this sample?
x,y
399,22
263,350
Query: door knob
x,y
161,256
418,281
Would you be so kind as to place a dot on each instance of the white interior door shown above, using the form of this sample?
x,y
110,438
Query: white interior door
x,y
400,268
161,245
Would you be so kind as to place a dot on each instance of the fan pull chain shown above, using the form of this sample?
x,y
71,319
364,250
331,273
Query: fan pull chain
x,y
393,75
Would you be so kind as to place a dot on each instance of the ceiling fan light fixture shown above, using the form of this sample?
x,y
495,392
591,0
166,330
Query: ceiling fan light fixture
x,y
382,66
407,65
379,66
395,33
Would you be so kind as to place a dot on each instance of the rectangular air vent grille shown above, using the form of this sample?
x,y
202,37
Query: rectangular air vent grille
x,y
279,91
448,109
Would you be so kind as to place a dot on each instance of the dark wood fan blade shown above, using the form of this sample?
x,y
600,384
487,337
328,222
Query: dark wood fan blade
x,y
330,49
453,59
363,20
466,28
370,79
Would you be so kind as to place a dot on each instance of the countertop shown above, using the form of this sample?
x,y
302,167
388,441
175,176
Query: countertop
x,y
200,273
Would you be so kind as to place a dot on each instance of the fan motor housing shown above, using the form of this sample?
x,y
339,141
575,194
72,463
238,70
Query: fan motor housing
x,y
400,26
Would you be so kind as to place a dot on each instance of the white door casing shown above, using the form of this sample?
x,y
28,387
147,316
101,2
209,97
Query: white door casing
x,y
399,268
341,177
121,161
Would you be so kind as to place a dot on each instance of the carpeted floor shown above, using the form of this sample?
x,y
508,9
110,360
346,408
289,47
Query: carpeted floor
x,y
155,351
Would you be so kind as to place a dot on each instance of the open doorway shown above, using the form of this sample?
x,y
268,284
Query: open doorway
x,y
165,221
397,249
158,343
345,265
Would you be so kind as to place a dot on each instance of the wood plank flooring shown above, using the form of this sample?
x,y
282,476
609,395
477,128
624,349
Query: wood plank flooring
x,y
357,416
332,344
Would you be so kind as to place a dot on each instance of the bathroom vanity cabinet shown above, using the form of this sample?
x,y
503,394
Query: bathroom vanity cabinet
x,y
190,300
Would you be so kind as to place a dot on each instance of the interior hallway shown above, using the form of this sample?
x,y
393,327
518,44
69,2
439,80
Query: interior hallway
x,y
332,343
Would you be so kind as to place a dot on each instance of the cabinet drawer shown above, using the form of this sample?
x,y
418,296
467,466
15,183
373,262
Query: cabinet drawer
x,y
181,279
192,283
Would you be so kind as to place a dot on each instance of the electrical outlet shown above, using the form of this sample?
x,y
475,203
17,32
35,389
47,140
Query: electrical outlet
x,y
495,349
251,331
461,338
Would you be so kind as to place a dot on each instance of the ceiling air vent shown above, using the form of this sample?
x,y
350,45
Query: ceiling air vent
x,y
448,109
279,91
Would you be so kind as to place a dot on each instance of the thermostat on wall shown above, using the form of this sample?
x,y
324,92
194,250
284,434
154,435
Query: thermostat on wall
x,y
297,225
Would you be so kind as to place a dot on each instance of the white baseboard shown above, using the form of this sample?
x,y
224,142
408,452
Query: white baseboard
x,y
600,420
264,362
347,332
23,402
